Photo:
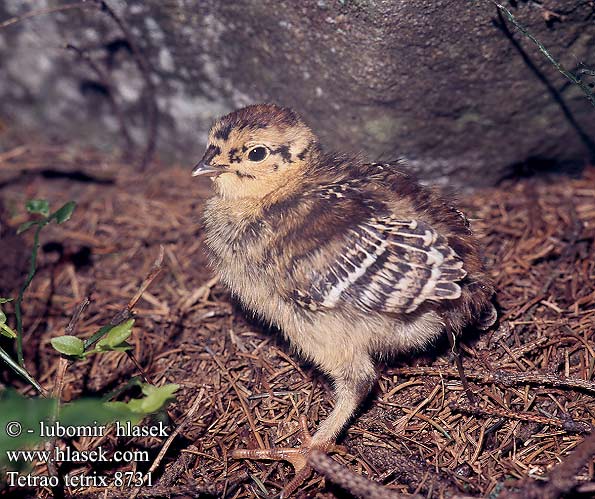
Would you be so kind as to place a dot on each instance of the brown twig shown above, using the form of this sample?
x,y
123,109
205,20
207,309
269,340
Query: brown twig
x,y
106,81
15,152
459,364
63,364
357,485
49,10
145,70
570,426
562,477
171,438
156,268
506,378
140,369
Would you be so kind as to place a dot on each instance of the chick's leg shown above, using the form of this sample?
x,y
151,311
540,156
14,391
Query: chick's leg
x,y
353,381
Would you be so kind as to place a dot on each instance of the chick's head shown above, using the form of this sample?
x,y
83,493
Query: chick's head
x,y
255,150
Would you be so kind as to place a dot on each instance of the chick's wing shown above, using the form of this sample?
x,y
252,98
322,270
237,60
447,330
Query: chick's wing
x,y
383,264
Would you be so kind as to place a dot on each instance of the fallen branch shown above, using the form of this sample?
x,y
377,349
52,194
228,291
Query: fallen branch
x,y
357,485
40,12
106,81
170,439
570,76
145,70
562,476
506,378
56,393
126,313
568,425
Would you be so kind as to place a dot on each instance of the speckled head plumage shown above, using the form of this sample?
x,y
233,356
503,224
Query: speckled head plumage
x,y
256,149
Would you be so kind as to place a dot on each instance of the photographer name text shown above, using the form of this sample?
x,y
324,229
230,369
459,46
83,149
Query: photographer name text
x,y
127,429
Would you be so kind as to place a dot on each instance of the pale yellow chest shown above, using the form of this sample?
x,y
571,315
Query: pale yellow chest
x,y
240,251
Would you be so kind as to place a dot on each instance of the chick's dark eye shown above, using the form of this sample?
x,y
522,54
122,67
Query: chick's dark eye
x,y
258,153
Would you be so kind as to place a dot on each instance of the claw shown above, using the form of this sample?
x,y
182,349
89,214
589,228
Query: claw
x,y
297,457
300,477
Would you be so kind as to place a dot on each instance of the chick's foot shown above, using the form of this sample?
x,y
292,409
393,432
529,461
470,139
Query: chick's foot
x,y
297,457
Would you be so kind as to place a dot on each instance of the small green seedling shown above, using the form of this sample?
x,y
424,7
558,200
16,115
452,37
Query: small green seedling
x,y
155,398
69,345
42,207
61,215
113,341
37,207
21,417
5,329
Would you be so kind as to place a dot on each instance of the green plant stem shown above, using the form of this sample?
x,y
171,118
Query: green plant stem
x,y
17,306
590,95
21,371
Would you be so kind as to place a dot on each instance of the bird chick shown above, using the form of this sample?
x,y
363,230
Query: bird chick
x,y
352,261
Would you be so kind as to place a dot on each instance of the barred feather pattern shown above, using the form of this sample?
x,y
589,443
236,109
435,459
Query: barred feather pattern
x,y
387,265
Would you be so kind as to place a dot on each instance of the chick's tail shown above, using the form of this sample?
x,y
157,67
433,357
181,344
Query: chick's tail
x,y
488,317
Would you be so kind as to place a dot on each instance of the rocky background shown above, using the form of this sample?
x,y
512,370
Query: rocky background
x,y
450,85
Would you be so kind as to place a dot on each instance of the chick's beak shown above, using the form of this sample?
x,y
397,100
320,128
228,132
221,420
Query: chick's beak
x,y
205,165
204,168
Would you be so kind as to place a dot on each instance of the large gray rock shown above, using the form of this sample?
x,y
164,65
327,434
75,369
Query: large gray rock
x,y
435,81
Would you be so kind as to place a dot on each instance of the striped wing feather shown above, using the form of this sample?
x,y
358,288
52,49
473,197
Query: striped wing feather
x,y
387,265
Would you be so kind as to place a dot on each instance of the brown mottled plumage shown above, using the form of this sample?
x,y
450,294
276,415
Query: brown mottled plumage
x,y
351,261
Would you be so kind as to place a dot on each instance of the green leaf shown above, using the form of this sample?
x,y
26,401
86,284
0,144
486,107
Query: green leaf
x,y
123,347
8,360
26,226
40,206
106,348
63,214
6,331
136,406
100,333
5,300
117,335
130,415
91,410
68,345
157,396
30,412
